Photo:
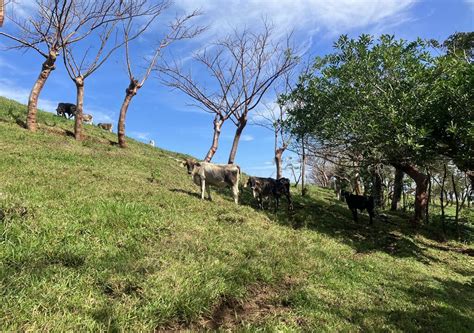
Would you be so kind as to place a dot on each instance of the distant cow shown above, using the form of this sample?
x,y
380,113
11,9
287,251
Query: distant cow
x,y
152,143
355,202
87,118
105,126
66,110
220,175
263,188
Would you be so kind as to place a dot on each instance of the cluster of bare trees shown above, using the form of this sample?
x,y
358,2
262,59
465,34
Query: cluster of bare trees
x,y
242,67
86,33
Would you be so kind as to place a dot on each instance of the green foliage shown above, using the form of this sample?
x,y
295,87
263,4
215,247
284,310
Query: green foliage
x,y
367,96
88,243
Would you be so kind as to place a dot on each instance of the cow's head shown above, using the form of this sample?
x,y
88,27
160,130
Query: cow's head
x,y
190,164
254,184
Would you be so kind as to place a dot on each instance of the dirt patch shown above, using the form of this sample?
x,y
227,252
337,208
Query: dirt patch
x,y
262,302
229,313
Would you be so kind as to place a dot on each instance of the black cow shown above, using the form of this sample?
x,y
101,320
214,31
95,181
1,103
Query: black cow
x,y
355,202
266,187
66,109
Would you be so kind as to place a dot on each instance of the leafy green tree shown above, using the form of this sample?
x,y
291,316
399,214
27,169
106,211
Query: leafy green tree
x,y
450,115
370,97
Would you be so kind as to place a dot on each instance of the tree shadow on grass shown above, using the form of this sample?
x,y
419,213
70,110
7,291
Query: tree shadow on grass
x,y
329,216
447,307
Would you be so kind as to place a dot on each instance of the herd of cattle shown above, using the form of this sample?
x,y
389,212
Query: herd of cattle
x,y
206,174
68,110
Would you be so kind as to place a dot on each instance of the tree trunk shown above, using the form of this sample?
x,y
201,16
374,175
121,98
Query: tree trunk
x,y
79,81
427,214
456,197
303,168
278,163
397,189
129,93
378,189
218,122
46,69
357,184
421,195
235,143
443,194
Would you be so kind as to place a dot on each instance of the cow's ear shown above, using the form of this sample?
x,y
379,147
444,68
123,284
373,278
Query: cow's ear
x,y
197,164
183,163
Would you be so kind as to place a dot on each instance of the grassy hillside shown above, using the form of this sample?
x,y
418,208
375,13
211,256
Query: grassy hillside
x,y
93,237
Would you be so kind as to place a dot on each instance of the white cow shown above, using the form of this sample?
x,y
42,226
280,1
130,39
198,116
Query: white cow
x,y
220,175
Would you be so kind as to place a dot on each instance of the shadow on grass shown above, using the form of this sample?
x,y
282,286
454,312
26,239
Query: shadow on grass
x,y
323,213
192,194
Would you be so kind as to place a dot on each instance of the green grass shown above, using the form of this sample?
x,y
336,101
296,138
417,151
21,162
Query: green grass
x,y
97,238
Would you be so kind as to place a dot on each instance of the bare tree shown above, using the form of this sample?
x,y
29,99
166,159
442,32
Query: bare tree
x,y
80,66
273,118
260,61
219,97
178,30
55,25
2,12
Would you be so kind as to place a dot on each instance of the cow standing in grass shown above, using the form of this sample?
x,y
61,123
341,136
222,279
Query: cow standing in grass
x,y
66,110
265,187
355,202
220,175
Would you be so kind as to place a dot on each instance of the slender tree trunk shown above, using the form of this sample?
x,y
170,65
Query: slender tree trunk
x,y
378,189
443,194
427,213
79,81
46,69
129,93
455,197
235,143
357,184
218,122
397,189
303,168
421,195
278,162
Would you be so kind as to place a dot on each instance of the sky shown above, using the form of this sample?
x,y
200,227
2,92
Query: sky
x,y
165,116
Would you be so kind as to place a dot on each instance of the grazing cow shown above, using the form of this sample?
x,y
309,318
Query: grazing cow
x,y
152,143
105,126
266,187
221,175
87,118
66,110
355,202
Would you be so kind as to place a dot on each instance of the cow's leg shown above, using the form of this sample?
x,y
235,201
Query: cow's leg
x,y
371,215
277,203
203,188
354,214
290,204
209,193
235,192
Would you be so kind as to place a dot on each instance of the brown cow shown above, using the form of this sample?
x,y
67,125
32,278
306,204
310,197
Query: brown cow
x,y
105,126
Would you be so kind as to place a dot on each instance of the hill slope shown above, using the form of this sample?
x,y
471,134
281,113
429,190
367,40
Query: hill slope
x,y
93,237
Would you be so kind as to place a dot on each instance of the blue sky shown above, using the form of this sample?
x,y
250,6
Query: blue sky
x,y
166,117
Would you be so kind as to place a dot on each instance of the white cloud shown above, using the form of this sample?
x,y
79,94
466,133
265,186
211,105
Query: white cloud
x,y
247,137
310,16
470,3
